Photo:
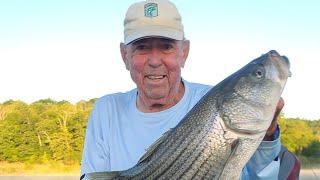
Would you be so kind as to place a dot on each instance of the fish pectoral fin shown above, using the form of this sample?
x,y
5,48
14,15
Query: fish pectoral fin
x,y
102,175
154,146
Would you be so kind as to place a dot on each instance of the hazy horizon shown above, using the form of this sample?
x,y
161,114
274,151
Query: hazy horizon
x,y
69,50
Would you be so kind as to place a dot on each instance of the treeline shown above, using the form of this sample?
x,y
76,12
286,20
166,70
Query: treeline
x,y
43,131
302,137
48,130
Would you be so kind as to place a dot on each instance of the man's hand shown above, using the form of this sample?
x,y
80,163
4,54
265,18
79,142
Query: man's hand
x,y
272,128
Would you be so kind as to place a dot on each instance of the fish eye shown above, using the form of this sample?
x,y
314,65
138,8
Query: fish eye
x,y
259,73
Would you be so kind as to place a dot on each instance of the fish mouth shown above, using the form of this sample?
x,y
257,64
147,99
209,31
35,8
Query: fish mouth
x,y
281,62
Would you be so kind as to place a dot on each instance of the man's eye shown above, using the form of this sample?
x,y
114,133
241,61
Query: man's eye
x,y
141,47
167,46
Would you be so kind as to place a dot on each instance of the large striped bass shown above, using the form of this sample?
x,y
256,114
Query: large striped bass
x,y
221,132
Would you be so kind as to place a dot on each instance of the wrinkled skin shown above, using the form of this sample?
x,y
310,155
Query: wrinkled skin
x,y
155,66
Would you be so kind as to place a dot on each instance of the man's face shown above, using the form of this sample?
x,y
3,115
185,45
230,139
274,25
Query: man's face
x,y
155,66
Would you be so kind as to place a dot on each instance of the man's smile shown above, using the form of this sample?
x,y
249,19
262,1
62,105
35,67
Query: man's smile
x,y
155,77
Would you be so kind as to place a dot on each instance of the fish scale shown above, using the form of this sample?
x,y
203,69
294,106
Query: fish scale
x,y
211,164
190,158
175,146
221,132
180,154
201,163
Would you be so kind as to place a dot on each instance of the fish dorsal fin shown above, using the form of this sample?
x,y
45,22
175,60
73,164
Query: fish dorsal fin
x,y
102,175
154,146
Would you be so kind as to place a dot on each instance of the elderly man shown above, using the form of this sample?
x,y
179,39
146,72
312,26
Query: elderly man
x,y
123,125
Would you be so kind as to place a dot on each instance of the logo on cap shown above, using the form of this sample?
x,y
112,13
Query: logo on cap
x,y
151,10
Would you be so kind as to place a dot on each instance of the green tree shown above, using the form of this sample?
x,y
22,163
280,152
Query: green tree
x,y
18,140
313,150
296,134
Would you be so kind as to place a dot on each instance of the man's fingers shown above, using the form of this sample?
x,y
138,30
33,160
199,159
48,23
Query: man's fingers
x,y
273,126
280,104
278,108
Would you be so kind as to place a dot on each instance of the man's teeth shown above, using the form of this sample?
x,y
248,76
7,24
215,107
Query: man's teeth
x,y
156,77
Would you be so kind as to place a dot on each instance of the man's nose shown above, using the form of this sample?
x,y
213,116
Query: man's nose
x,y
155,57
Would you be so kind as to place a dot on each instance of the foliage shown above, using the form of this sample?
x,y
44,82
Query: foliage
x,y
50,131
313,150
43,131
296,134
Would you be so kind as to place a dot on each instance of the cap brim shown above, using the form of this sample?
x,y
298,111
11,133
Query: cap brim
x,y
138,34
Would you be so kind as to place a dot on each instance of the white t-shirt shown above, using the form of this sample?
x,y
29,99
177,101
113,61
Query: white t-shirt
x,y
118,134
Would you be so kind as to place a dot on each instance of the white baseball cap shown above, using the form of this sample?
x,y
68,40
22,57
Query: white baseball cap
x,y
152,18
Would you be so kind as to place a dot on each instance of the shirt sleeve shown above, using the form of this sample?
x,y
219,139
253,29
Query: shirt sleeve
x,y
95,156
264,163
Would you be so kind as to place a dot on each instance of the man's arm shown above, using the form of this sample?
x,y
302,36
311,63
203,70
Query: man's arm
x,y
95,156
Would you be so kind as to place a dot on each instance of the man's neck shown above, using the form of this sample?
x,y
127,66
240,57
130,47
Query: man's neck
x,y
149,106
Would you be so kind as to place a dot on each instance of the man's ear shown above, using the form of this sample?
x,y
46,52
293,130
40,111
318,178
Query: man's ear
x,y
123,51
186,47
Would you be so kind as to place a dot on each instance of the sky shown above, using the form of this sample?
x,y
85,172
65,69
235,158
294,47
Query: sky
x,y
69,50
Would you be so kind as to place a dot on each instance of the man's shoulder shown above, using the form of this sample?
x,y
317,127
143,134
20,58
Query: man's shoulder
x,y
197,88
197,85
